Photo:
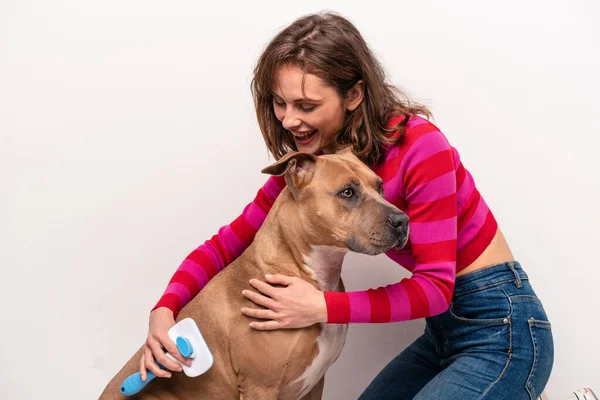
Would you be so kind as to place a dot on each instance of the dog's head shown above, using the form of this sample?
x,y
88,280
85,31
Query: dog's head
x,y
340,202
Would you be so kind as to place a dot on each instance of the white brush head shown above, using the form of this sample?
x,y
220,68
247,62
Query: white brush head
x,y
201,357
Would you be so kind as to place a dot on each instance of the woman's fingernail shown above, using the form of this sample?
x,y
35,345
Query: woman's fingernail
x,y
268,275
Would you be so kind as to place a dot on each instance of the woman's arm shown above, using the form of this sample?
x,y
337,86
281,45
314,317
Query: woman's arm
x,y
428,178
429,187
215,254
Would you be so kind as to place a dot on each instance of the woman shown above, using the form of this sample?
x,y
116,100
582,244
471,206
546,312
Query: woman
x,y
317,87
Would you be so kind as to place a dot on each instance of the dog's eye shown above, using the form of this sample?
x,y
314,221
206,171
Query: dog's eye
x,y
347,193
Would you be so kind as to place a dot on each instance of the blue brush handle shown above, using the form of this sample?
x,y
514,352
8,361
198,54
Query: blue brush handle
x,y
134,382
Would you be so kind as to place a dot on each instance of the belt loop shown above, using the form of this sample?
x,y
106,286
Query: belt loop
x,y
518,283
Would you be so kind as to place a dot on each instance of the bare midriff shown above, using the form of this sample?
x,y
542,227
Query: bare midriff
x,y
497,252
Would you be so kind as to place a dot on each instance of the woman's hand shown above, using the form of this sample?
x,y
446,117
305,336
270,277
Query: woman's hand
x,y
161,320
295,305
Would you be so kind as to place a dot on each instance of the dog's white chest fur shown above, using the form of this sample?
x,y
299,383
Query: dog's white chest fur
x,y
330,343
325,264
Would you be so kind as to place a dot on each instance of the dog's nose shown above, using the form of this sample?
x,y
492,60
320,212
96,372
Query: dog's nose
x,y
398,220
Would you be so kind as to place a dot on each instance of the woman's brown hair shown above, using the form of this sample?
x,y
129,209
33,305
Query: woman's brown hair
x,y
331,47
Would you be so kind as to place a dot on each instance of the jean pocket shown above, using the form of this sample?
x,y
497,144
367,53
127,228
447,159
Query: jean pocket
x,y
489,306
543,356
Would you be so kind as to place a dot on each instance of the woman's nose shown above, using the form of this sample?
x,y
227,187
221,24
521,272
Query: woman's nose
x,y
290,120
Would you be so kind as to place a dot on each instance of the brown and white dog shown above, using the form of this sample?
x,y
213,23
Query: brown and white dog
x,y
332,204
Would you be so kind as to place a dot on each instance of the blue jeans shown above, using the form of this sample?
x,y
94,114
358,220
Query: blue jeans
x,y
494,342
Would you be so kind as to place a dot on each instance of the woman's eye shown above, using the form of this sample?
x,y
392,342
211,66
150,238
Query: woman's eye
x,y
307,108
347,193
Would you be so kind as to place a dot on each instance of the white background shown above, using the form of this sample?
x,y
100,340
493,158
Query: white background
x,y
128,137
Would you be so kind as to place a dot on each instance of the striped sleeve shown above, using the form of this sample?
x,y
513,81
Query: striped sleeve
x,y
429,187
223,248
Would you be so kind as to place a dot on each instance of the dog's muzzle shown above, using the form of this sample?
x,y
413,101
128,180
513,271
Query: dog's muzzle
x,y
399,225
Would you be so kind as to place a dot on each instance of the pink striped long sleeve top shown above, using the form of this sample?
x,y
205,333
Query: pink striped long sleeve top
x,y
450,226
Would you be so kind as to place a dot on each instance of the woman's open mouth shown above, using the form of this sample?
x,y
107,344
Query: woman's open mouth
x,y
303,138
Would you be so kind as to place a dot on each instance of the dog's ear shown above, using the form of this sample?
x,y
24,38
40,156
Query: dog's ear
x,y
298,168
345,150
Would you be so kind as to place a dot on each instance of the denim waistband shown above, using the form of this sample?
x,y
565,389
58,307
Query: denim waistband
x,y
495,274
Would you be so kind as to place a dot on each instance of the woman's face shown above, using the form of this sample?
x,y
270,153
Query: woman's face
x,y
314,120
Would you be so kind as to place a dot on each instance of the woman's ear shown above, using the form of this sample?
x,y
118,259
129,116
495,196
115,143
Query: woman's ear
x,y
355,95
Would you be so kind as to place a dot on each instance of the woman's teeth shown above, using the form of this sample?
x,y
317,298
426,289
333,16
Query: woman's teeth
x,y
304,137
